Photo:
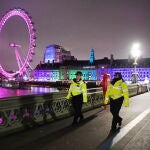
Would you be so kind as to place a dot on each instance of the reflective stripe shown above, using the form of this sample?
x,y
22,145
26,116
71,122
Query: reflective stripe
x,y
125,90
76,90
118,88
75,87
116,96
76,94
84,90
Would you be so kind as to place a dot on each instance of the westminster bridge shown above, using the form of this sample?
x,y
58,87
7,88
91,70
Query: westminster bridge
x,y
43,122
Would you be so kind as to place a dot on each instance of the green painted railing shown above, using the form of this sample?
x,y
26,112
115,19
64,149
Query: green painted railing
x,y
18,113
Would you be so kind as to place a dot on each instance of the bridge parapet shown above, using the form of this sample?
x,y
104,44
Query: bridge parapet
x,y
18,113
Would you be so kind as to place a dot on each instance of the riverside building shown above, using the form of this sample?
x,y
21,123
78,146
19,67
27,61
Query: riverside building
x,y
59,65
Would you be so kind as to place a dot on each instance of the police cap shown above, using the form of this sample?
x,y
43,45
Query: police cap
x,y
118,74
78,73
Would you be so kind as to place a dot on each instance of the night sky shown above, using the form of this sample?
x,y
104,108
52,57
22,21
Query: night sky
x,y
107,26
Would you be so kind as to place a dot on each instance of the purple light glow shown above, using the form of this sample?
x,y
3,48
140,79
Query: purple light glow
x,y
1,120
13,117
26,114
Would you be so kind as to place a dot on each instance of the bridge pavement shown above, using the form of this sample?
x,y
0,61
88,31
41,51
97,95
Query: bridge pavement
x,y
92,134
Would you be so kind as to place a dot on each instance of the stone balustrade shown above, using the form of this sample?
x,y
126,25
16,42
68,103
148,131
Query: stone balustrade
x,y
18,113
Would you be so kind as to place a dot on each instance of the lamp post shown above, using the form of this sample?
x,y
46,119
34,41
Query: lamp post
x,y
135,52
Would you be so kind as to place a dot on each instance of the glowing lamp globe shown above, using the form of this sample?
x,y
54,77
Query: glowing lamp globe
x,y
135,51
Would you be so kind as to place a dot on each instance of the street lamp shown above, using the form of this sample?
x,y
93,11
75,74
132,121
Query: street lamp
x,y
135,52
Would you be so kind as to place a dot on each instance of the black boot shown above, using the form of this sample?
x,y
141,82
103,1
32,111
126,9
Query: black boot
x,y
74,121
81,118
113,129
120,122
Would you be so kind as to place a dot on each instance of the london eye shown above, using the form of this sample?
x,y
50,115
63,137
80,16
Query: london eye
x,y
23,63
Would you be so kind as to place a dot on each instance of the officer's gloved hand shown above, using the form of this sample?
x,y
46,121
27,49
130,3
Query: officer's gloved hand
x,y
126,103
106,101
68,97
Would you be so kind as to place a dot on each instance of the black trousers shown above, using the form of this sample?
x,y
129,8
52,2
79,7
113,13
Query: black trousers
x,y
115,106
77,102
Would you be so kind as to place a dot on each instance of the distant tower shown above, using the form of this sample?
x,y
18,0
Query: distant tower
x,y
129,58
111,59
92,56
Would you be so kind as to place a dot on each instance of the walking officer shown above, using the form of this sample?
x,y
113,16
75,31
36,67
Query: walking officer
x,y
117,94
78,94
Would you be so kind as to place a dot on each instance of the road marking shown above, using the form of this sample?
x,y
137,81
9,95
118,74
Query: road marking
x,y
129,126
116,137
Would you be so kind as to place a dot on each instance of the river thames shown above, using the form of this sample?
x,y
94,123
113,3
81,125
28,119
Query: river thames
x,y
8,92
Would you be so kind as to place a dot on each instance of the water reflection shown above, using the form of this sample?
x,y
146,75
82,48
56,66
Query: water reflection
x,y
39,90
6,92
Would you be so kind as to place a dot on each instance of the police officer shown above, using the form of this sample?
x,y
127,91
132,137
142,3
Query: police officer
x,y
78,93
117,94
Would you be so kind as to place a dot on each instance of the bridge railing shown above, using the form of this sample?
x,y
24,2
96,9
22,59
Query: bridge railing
x,y
18,113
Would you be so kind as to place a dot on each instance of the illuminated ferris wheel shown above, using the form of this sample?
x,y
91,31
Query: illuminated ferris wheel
x,y
23,63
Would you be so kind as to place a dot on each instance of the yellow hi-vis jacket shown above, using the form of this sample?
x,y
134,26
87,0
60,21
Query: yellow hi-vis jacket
x,y
77,88
116,91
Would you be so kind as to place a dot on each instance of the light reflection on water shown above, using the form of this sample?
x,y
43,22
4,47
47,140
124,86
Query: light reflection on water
x,y
6,92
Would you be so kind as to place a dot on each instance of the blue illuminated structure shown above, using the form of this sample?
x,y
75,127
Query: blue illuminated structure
x,y
46,75
101,71
90,74
92,56
92,70
49,55
127,73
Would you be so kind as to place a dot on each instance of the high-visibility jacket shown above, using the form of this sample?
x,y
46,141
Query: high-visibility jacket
x,y
77,88
116,91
